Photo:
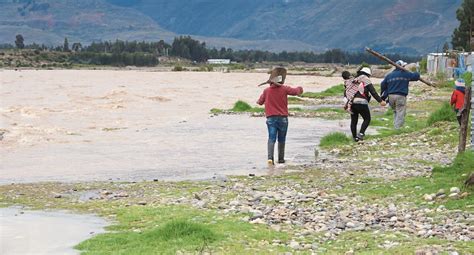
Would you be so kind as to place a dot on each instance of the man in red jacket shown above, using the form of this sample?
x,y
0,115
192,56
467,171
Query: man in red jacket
x,y
457,98
275,99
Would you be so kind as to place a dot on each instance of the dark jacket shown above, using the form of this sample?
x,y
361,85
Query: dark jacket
x,y
368,90
396,83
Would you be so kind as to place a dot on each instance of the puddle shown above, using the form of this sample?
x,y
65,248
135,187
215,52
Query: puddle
x,y
40,232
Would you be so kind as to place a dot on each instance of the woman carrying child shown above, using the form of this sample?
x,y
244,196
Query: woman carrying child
x,y
357,92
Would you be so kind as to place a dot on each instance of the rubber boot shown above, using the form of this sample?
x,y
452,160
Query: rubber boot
x,y
271,150
281,153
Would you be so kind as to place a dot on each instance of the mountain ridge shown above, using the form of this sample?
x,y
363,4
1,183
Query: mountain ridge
x,y
399,26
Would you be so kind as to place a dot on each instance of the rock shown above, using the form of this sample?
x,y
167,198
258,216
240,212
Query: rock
x,y
350,252
464,194
394,219
453,195
106,193
440,192
276,227
234,203
58,196
350,224
455,190
294,245
142,203
258,221
428,197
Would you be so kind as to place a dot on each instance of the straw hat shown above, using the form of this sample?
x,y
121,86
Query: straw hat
x,y
278,75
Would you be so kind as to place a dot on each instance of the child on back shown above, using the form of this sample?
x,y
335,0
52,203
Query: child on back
x,y
457,98
275,99
351,87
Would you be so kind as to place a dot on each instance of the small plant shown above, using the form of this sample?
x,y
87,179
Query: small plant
x,y
241,106
333,139
445,113
423,65
179,69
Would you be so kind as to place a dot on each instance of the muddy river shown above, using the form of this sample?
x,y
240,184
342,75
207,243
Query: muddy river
x,y
84,125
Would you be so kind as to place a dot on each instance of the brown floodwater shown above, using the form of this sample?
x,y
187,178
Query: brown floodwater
x,y
86,125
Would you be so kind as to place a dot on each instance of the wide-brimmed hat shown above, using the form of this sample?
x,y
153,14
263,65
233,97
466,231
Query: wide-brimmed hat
x,y
278,74
365,70
460,83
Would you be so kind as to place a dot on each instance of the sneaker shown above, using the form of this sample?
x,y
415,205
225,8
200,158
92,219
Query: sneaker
x,y
281,161
270,162
361,136
356,139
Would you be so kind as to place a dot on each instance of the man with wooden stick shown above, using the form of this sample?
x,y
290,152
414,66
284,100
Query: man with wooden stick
x,y
395,88
275,99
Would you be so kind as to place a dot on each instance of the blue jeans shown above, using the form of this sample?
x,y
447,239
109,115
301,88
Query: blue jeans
x,y
277,127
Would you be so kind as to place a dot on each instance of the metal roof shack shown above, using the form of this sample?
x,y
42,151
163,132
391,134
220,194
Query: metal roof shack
x,y
448,63
218,61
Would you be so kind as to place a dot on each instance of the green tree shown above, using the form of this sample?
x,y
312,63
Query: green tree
x,y
462,34
66,45
20,42
446,47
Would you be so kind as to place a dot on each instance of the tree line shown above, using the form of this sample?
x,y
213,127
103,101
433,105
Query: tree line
x,y
142,53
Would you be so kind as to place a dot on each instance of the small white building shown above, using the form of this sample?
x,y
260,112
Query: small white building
x,y
218,61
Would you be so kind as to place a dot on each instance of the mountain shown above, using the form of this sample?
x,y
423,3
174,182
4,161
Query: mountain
x,y
402,26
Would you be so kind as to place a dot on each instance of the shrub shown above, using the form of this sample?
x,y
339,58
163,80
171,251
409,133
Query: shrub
x,y
178,69
445,113
333,139
241,106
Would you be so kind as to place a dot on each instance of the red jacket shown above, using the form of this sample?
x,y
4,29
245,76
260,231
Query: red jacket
x,y
457,99
275,99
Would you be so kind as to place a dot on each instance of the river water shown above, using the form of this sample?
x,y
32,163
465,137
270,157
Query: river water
x,y
38,232
85,125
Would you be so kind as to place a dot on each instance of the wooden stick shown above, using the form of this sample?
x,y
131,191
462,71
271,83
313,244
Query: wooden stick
x,y
268,82
465,120
382,57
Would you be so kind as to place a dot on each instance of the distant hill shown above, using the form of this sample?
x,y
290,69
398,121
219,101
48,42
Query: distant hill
x,y
402,26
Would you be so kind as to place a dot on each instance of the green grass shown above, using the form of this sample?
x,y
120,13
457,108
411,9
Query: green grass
x,y
167,230
372,242
334,139
337,90
444,113
413,189
241,106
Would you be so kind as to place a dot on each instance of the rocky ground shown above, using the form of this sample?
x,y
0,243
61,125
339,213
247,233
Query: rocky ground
x,y
376,196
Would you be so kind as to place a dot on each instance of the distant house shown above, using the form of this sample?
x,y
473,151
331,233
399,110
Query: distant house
x,y
218,61
446,63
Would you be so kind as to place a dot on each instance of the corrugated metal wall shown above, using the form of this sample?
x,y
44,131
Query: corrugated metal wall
x,y
472,104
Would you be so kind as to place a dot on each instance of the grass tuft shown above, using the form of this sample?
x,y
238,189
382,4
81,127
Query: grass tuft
x,y
241,106
333,139
445,113
182,229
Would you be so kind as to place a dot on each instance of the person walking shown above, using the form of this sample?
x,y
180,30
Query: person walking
x,y
457,98
395,88
360,103
275,99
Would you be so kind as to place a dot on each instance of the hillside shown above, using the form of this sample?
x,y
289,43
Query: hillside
x,y
401,26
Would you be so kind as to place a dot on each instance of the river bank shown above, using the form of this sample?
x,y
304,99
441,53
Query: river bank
x,y
397,193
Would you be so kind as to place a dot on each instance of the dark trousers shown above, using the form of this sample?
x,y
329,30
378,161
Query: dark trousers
x,y
362,110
